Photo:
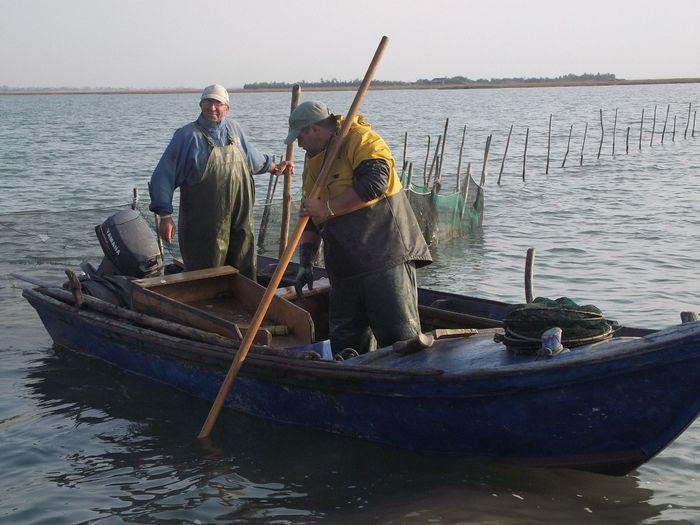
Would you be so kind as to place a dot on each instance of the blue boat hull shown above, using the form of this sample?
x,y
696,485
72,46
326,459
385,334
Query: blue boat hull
x,y
606,409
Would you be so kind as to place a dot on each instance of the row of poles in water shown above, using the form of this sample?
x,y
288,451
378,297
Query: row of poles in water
x,y
433,162
432,173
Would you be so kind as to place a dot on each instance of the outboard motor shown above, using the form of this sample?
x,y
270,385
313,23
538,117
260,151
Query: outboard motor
x,y
129,245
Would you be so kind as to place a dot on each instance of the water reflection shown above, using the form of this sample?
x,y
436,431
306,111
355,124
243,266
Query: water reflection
x,y
131,453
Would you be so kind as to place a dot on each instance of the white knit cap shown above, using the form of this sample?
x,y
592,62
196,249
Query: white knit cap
x,y
216,92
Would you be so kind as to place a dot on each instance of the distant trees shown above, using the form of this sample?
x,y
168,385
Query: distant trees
x,y
323,83
570,77
335,83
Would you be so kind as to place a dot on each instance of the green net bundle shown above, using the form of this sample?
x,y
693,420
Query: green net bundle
x,y
580,324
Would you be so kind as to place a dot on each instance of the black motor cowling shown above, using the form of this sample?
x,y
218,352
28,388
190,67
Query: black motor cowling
x,y
129,245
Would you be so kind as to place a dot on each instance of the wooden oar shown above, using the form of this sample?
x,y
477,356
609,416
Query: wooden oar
x,y
331,153
287,195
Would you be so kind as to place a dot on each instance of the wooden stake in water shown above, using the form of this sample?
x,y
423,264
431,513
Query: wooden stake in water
x,y
673,138
568,144
438,173
425,166
467,185
287,188
405,143
653,128
583,145
549,143
687,122
695,113
156,220
409,178
663,132
529,270
527,136
262,232
135,200
459,162
482,181
505,152
641,130
433,163
627,142
614,132
602,133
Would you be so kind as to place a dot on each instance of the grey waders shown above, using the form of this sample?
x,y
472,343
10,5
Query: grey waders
x,y
216,215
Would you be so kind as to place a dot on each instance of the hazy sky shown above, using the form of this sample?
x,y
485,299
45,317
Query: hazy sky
x,y
177,43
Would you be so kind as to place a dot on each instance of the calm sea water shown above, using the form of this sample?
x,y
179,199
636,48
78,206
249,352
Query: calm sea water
x,y
81,442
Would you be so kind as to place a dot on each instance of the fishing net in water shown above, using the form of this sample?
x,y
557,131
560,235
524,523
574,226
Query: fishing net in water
x,y
444,217
440,217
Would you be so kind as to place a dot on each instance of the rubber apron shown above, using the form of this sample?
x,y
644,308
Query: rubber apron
x,y
216,214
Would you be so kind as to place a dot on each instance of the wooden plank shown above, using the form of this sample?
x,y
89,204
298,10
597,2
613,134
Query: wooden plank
x,y
151,303
195,275
222,301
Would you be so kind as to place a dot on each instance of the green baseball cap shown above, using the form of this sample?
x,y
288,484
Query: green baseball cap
x,y
305,114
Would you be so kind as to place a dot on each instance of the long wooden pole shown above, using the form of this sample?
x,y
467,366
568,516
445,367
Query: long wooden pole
x,y
653,129
247,342
583,144
687,121
287,195
641,130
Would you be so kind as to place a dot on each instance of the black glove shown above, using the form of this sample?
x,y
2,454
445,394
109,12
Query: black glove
x,y
305,275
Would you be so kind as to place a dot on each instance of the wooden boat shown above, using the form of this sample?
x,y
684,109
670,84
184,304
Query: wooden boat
x,y
605,407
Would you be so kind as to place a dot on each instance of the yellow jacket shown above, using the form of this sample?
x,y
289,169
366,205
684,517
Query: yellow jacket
x,y
361,143
381,233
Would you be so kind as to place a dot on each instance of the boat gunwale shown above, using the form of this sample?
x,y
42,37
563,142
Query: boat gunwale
x,y
350,371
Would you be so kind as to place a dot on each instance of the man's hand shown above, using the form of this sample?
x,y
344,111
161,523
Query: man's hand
x,y
305,275
166,229
282,168
313,208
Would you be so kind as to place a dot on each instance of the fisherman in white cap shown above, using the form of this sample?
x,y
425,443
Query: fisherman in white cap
x,y
212,161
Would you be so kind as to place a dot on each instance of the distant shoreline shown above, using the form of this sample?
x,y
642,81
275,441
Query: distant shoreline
x,y
382,87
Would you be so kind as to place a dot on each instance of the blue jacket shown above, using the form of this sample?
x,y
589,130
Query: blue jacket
x,y
185,158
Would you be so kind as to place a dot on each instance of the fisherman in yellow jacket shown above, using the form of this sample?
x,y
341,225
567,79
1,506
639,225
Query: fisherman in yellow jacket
x,y
372,241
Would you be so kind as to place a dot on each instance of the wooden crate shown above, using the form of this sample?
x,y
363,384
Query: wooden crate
x,y
223,301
